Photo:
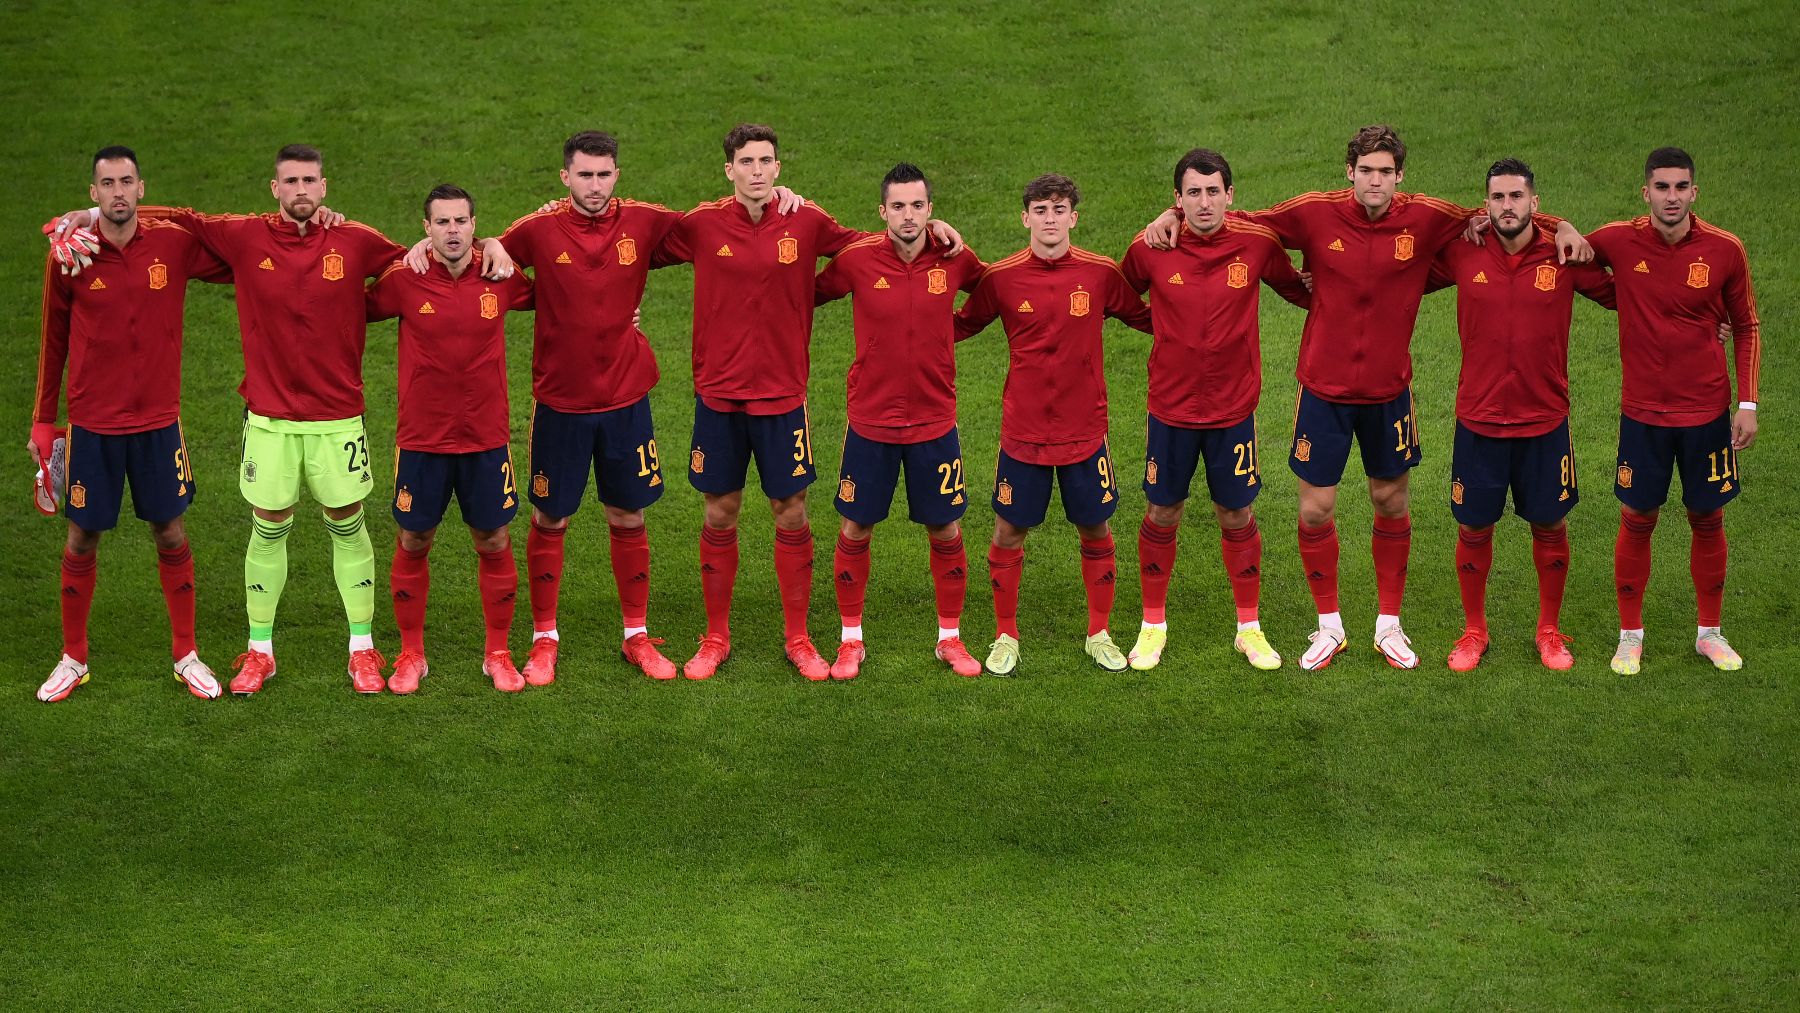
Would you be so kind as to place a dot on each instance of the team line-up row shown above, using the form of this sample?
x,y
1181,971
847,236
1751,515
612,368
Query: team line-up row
x,y
113,306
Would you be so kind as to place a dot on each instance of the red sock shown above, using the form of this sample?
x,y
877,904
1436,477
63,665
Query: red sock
x,y
1156,566
77,600
1474,558
410,581
176,568
1319,554
1550,551
1241,548
718,574
1390,545
851,564
793,574
498,576
1631,566
631,572
1004,567
1097,572
1706,561
544,566
950,579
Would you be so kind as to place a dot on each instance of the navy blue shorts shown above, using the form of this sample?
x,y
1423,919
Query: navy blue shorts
x,y
1649,455
1173,454
1387,433
619,446
1540,471
724,443
870,471
482,481
1090,491
155,463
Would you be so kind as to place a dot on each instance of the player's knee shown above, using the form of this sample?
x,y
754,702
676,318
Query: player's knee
x,y
1165,516
274,516
170,536
343,513
494,540
1544,529
943,532
417,541
1646,516
540,519
1231,520
1388,496
1480,531
1008,535
722,511
856,532
618,518
790,512
1094,532
81,541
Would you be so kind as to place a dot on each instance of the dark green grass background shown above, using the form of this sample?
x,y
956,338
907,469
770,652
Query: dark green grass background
x,y
1203,835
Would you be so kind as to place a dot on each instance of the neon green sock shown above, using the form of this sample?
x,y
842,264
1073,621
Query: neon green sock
x,y
353,564
265,574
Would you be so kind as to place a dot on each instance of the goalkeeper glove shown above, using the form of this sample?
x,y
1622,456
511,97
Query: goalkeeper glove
x,y
72,247
49,451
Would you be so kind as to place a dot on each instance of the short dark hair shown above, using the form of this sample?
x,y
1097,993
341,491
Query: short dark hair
x,y
905,172
1051,186
1513,167
744,133
1204,161
300,153
446,191
1668,158
1379,137
116,151
597,143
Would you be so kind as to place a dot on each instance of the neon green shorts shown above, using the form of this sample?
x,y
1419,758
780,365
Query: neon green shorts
x,y
332,457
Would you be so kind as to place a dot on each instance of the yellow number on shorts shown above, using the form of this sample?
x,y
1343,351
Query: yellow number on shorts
x,y
1105,467
1568,472
184,470
1718,474
506,479
647,459
1246,459
952,477
802,446
1406,436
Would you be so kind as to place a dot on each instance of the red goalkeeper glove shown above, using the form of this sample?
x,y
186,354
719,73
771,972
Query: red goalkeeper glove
x,y
72,247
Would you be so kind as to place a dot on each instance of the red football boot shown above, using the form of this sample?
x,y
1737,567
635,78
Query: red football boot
x,y
409,668
712,653
540,664
365,671
498,666
641,651
253,669
849,661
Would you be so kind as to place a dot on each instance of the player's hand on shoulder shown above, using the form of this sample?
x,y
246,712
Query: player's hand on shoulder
x,y
419,257
551,205
326,217
1160,234
1476,229
945,236
787,201
497,264
1571,246
1306,279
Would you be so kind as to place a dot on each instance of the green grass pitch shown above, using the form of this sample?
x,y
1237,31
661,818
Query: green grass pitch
x,y
1203,835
